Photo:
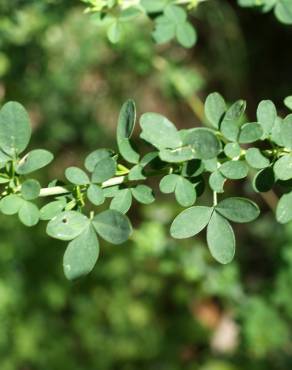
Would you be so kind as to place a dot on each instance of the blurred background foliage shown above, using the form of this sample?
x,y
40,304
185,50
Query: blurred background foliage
x,y
153,303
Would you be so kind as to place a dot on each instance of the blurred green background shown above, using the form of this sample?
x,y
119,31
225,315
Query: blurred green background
x,y
154,303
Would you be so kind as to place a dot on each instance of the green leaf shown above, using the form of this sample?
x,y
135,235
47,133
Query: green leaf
x,y
81,254
15,128
204,142
234,170
95,194
185,192
159,131
284,209
176,155
215,108
126,124
231,122
286,132
112,226
34,160
190,222
93,158
4,158
276,134
114,32
250,132
238,209
186,34
67,225
52,209
143,194
153,6
164,30
30,189
283,11
104,170
220,239
288,102
76,176
168,183
175,14
232,150
122,201
10,204
217,181
264,180
256,159
29,214
283,168
266,116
